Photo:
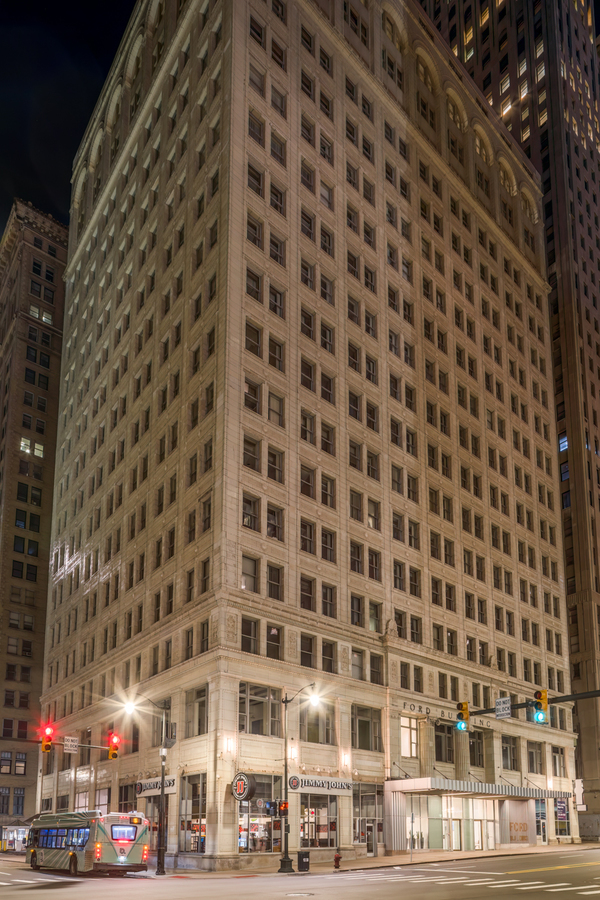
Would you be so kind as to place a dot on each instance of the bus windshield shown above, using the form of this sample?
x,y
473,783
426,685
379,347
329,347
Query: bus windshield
x,y
123,832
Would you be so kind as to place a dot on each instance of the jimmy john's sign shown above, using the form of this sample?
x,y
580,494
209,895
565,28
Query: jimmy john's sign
x,y
320,785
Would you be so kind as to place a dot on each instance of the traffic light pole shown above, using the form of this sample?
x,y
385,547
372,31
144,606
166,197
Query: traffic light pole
x,y
286,862
565,698
160,852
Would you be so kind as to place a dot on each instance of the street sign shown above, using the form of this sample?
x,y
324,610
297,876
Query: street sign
x,y
71,744
503,708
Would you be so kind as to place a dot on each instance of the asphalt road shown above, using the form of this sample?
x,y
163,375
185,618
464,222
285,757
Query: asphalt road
x,y
575,874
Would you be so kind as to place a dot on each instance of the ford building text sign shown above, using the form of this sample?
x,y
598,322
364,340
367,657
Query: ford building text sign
x,y
243,786
319,785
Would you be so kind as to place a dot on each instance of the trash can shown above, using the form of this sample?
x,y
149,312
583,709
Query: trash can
x,y
303,860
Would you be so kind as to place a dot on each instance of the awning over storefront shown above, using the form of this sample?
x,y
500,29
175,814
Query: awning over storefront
x,y
469,788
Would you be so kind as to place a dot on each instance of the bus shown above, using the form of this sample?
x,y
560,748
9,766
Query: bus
x,y
89,841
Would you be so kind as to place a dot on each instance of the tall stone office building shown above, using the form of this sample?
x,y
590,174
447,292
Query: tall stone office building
x,y
538,67
33,253
307,435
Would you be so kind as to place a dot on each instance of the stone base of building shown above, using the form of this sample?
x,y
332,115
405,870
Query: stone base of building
x,y
242,861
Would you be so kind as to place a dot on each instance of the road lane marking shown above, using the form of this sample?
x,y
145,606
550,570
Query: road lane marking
x,y
587,893
551,868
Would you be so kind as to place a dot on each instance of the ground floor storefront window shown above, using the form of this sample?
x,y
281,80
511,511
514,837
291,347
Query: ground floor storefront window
x,y
152,814
318,820
259,832
436,822
367,814
127,798
192,814
562,821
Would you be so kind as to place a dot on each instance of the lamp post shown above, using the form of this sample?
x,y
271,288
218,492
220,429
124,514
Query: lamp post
x,y
160,850
286,862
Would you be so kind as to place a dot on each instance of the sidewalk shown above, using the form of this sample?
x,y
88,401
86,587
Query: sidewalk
x,y
420,858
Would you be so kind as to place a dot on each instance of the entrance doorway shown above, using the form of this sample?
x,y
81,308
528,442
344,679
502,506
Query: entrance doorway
x,y
371,838
540,822
456,835
478,834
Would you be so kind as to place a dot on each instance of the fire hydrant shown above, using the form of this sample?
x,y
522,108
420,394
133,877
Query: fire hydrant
x,y
336,860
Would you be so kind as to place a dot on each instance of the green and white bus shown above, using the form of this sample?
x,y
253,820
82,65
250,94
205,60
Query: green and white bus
x,y
89,841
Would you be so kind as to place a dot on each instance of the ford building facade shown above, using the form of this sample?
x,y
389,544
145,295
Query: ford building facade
x,y
307,445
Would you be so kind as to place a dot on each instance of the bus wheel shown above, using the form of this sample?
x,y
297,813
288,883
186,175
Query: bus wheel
x,y
34,863
73,866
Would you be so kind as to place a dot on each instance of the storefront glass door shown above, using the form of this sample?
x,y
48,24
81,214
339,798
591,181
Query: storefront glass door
x,y
478,834
371,837
456,835
192,818
540,821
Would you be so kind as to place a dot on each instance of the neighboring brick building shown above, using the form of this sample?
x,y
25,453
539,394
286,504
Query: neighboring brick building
x,y
537,64
307,435
33,252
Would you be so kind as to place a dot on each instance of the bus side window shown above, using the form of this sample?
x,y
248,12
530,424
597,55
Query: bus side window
x,y
43,838
84,834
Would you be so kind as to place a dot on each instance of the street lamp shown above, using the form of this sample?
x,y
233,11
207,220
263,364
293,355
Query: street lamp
x,y
286,862
130,707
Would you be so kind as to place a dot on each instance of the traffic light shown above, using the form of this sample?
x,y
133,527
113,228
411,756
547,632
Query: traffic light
x,y
272,807
47,733
541,707
283,807
113,745
462,716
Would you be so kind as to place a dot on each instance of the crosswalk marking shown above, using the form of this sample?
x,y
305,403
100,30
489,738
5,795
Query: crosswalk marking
x,y
557,884
577,887
452,880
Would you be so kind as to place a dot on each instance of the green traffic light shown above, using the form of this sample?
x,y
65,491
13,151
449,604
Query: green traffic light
x,y
461,726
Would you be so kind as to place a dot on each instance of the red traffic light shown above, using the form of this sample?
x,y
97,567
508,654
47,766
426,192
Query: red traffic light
x,y
47,734
113,745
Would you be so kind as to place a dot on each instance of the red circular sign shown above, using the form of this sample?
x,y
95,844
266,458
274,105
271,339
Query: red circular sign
x,y
243,786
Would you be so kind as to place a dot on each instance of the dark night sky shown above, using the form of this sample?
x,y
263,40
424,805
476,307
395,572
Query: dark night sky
x,y
54,58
